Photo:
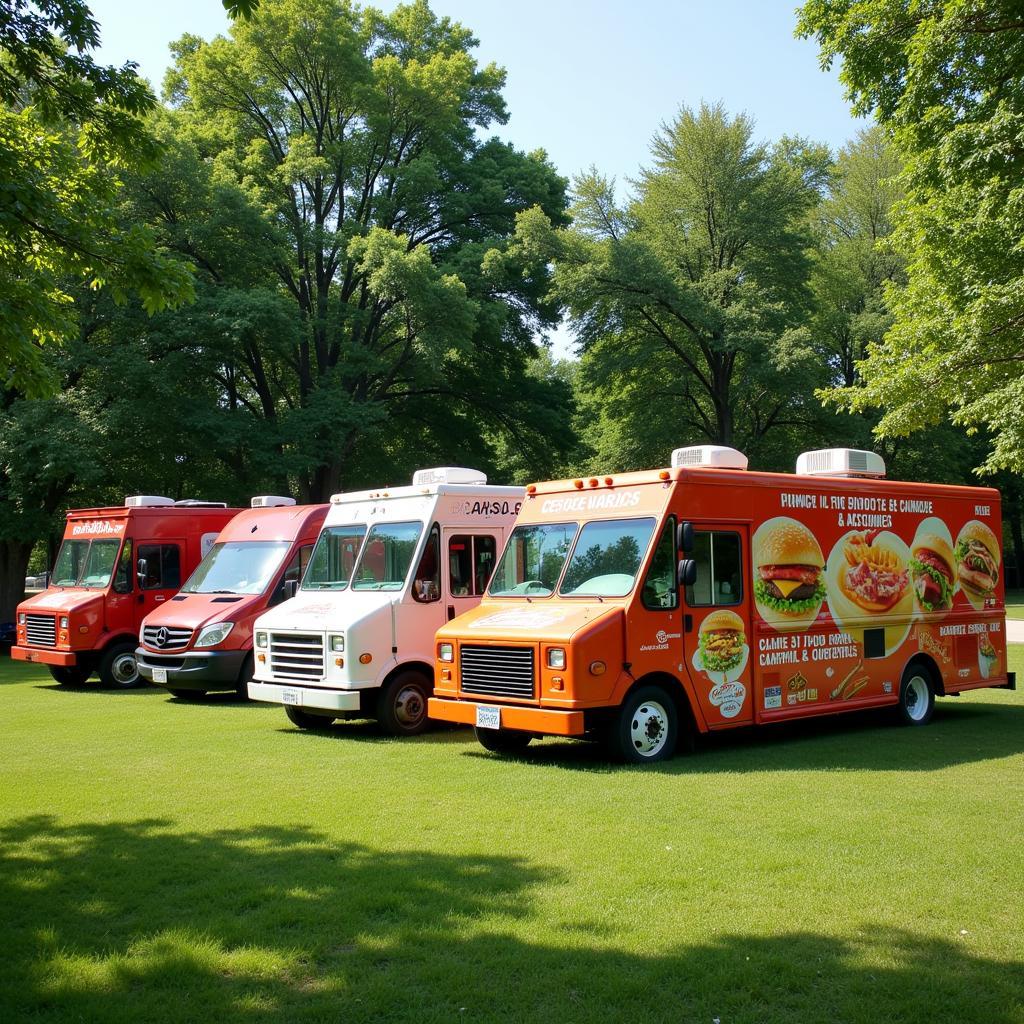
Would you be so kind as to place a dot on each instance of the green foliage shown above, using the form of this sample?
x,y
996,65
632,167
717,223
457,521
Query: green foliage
x,y
68,127
945,79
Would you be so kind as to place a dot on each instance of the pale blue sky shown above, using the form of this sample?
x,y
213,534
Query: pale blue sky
x,y
590,82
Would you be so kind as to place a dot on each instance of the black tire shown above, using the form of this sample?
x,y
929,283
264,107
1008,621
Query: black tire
x,y
503,741
118,667
917,695
402,704
646,729
244,677
305,720
70,675
187,694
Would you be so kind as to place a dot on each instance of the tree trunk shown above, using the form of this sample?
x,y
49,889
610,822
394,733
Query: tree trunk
x,y
14,556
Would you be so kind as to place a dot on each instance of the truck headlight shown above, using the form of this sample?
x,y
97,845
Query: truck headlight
x,y
556,657
338,643
261,639
21,618
445,652
63,622
209,636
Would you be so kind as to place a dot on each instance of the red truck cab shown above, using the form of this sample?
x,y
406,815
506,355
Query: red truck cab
x,y
115,565
201,640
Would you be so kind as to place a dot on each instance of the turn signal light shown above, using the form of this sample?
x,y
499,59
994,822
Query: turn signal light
x,y
261,658
365,659
339,662
664,475
531,489
597,668
446,674
557,683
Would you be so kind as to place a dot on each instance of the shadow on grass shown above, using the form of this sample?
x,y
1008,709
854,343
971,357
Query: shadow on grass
x,y
368,730
855,741
137,922
96,687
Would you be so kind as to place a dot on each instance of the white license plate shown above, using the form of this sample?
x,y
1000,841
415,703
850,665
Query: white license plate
x,y
291,697
488,718
159,675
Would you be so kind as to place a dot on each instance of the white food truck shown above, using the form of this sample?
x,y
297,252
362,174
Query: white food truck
x,y
390,567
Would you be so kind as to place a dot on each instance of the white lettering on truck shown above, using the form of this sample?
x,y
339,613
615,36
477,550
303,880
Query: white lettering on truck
x,y
592,502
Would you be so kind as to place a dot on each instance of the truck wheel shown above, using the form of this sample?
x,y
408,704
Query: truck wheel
x,y
304,720
402,704
503,741
647,727
248,671
70,675
917,699
118,668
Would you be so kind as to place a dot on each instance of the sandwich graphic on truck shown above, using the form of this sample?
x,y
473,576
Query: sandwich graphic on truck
x,y
389,567
643,608
201,640
115,566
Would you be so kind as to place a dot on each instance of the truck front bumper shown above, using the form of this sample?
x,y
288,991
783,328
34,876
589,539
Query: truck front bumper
x,y
193,670
305,696
545,721
44,657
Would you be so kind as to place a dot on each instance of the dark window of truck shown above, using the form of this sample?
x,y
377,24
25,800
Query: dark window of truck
x,y
123,576
163,566
719,569
660,591
470,564
426,585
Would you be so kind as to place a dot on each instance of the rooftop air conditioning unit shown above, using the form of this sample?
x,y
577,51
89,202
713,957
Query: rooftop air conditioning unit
x,y
448,475
147,501
708,456
270,501
199,503
840,462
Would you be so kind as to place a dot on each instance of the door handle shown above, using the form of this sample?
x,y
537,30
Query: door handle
x,y
688,623
451,612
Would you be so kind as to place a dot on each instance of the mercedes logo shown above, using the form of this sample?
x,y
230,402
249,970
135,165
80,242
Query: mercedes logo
x,y
161,636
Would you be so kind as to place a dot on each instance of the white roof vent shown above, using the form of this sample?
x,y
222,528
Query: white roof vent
x,y
199,503
448,475
270,501
147,501
840,462
708,456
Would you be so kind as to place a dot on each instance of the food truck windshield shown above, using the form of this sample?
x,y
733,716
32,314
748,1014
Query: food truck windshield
x,y
237,567
381,563
86,563
604,562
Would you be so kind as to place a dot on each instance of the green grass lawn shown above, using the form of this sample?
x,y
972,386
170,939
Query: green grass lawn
x,y
1015,604
169,861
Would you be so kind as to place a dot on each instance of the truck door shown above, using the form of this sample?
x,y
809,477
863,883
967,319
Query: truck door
x,y
716,624
159,575
470,556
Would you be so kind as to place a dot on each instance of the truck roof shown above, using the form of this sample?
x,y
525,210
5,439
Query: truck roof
x,y
123,512
427,490
283,523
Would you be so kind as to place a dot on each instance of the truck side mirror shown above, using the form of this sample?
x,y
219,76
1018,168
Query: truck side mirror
x,y
684,538
291,587
140,569
687,572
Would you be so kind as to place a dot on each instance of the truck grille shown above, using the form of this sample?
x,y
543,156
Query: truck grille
x,y
166,638
41,630
297,656
497,671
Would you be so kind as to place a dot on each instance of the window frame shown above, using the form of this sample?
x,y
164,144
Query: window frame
x,y
472,538
160,546
433,538
741,595
670,525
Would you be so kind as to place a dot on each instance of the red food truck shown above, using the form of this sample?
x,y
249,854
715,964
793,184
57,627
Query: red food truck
x,y
114,566
643,607
201,640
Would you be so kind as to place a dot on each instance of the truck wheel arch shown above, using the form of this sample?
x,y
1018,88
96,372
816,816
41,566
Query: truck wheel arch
x,y
686,706
928,663
409,666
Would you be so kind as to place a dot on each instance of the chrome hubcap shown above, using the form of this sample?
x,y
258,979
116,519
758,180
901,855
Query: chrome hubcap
x,y
917,698
410,706
124,669
649,728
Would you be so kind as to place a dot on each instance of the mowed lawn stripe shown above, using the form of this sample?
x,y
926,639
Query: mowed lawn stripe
x,y
177,861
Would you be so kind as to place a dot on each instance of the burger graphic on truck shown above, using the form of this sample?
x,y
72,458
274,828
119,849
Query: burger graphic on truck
x,y
789,582
977,562
933,567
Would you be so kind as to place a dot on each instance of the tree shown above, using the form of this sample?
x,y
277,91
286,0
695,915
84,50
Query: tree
x,y
689,301
385,222
944,77
68,127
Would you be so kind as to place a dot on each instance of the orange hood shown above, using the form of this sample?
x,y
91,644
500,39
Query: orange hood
x,y
61,599
550,621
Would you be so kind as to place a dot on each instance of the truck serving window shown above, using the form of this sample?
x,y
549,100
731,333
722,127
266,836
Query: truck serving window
x,y
607,558
719,569
386,557
239,567
163,566
533,560
85,563
334,557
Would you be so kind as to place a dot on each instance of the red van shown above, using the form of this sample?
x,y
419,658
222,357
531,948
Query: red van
x,y
202,639
114,566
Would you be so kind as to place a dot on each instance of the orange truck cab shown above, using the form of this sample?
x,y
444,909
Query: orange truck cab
x,y
201,639
115,565
643,607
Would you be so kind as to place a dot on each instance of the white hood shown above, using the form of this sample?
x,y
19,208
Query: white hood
x,y
320,611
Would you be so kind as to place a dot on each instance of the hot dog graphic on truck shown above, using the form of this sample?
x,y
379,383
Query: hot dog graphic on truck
x,y
644,607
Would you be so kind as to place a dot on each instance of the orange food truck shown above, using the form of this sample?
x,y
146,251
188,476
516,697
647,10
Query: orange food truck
x,y
201,640
114,566
644,607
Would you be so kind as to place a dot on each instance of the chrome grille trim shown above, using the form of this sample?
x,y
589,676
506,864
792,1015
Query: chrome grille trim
x,y
41,630
498,671
177,638
298,656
